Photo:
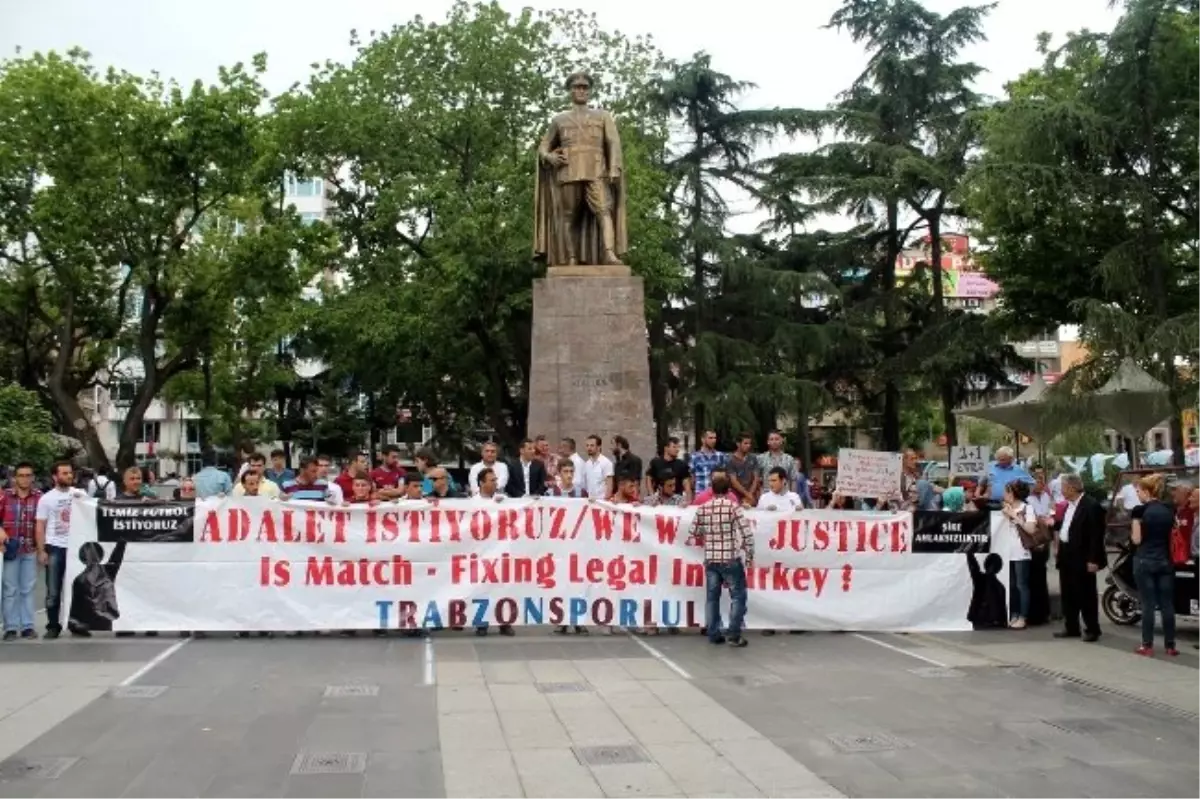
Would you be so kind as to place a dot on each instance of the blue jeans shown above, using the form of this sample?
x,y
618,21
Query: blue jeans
x,y
20,576
1155,579
56,570
1021,569
733,574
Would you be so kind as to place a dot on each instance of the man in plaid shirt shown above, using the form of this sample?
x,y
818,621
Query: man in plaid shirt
x,y
728,552
704,460
18,514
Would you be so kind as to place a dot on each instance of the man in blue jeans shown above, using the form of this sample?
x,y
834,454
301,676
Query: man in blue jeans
x,y
728,552
53,524
18,509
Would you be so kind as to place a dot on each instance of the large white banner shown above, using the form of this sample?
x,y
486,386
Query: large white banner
x,y
256,564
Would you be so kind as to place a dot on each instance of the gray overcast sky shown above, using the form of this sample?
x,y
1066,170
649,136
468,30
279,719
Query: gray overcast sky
x,y
776,44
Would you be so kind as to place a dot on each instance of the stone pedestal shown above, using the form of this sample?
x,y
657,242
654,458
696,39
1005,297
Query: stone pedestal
x,y
590,367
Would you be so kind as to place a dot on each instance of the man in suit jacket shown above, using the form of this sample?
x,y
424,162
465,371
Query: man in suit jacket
x,y
527,475
1080,554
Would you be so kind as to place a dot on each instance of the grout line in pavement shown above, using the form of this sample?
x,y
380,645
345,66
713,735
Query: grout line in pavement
x,y
159,658
430,672
660,657
901,650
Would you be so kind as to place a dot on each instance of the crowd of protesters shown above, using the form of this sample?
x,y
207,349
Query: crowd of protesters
x,y
34,522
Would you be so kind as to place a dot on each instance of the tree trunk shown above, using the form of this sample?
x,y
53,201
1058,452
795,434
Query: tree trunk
x,y
890,423
658,378
803,434
698,286
945,387
78,426
949,420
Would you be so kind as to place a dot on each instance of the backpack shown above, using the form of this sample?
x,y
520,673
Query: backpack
x,y
101,489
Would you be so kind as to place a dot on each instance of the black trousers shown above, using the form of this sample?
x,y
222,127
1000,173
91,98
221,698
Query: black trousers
x,y
1079,599
1039,591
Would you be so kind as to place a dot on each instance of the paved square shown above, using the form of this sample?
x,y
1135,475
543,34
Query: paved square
x,y
536,715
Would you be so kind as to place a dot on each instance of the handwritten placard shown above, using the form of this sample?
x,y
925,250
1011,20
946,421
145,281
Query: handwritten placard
x,y
866,473
969,461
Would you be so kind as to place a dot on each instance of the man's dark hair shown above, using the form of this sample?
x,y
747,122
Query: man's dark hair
x,y
720,483
208,457
256,457
622,442
525,441
1020,490
539,437
242,479
59,464
24,465
576,76
484,474
671,440
426,454
325,458
663,476
388,449
277,453
308,460
599,441
626,478
774,432
779,472
570,442
745,436
708,430
721,470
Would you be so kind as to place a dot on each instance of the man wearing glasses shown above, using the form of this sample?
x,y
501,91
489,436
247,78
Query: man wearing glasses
x,y
442,489
18,515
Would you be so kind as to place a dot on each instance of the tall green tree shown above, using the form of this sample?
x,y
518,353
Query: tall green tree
x,y
107,182
427,140
717,140
1087,195
903,130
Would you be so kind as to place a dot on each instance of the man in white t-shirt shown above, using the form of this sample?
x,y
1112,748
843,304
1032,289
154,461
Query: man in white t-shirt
x,y
777,497
498,467
597,469
52,528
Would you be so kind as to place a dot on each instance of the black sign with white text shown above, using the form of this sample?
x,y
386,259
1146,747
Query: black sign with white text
x,y
939,532
145,522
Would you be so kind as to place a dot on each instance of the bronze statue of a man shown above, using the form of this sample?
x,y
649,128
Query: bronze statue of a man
x,y
579,199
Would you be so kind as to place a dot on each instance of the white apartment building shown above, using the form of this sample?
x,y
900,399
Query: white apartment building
x,y
169,441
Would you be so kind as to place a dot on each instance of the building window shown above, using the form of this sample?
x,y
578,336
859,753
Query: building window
x,y
192,432
151,432
308,217
1160,441
192,463
305,188
123,391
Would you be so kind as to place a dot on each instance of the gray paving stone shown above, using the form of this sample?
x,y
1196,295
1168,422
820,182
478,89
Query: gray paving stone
x,y
639,779
403,774
322,785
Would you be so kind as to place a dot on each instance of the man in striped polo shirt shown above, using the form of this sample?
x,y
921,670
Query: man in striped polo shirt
x,y
307,485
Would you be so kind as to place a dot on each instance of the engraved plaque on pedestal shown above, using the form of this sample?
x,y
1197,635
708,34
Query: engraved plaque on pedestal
x,y
590,370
